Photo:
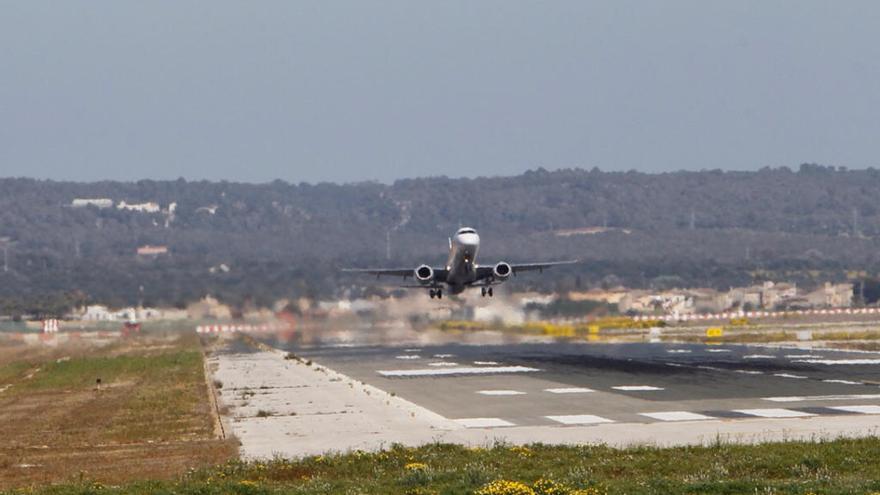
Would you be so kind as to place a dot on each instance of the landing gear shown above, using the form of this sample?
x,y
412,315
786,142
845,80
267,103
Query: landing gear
x,y
490,292
438,293
486,290
483,291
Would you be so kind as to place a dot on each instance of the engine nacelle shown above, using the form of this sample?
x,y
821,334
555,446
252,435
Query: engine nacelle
x,y
424,274
502,271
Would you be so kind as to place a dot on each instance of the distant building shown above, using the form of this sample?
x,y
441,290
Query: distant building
x,y
141,207
96,202
832,296
152,251
97,313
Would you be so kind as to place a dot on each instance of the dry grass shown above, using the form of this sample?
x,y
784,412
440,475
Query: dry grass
x,y
149,417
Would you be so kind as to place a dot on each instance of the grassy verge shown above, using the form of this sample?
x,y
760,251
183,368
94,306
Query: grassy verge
x,y
829,467
132,409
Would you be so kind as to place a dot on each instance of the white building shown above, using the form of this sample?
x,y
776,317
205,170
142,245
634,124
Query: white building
x,y
149,207
96,202
97,313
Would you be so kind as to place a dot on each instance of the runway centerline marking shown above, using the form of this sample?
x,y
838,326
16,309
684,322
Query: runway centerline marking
x,y
500,392
759,356
443,356
719,350
408,356
443,363
677,416
774,413
483,422
822,397
569,390
579,419
844,382
678,351
858,409
457,371
637,388
749,372
837,361
788,375
486,363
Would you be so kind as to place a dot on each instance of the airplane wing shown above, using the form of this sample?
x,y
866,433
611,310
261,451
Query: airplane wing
x,y
439,273
484,272
525,267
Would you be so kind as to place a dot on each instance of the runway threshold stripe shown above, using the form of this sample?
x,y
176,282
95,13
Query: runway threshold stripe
x,y
774,413
457,371
500,392
569,390
858,409
637,388
806,398
676,416
483,422
579,419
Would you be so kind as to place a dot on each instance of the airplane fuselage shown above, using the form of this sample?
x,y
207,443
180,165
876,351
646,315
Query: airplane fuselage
x,y
462,262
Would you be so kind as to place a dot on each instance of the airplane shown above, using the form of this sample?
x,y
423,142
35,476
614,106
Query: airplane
x,y
461,270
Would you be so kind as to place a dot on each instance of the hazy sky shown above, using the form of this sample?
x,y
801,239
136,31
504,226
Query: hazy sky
x,y
346,91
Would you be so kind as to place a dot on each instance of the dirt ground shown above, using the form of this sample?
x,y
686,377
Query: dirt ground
x,y
132,408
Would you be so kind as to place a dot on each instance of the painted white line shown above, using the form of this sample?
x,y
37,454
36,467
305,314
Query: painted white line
x,y
569,390
749,372
788,375
858,409
675,365
443,363
844,382
485,363
412,350
838,361
759,356
678,351
501,392
719,350
458,371
676,416
774,413
802,356
408,356
483,422
710,368
822,397
443,356
636,388
579,419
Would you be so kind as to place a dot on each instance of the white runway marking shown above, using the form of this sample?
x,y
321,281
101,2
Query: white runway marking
x,y
458,371
858,409
569,390
443,363
579,419
802,356
636,388
838,361
501,392
788,375
774,413
408,356
483,422
678,351
675,365
719,350
759,356
676,416
844,382
412,350
749,372
443,356
822,397
710,368
485,363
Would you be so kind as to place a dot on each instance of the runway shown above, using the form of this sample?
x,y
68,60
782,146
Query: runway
x,y
582,384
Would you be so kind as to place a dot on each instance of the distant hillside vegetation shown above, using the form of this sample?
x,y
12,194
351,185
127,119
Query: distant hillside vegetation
x,y
258,242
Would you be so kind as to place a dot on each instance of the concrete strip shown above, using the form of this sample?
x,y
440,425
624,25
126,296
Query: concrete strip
x,y
676,416
281,406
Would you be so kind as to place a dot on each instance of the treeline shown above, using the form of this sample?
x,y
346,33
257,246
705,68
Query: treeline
x,y
260,242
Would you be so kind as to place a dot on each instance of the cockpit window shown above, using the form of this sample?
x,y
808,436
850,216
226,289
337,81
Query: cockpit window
x,y
467,231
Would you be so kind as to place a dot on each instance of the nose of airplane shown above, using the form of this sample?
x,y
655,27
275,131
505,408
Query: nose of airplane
x,y
469,239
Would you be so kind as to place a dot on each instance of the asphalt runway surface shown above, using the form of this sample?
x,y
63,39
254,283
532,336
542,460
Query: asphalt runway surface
x,y
567,384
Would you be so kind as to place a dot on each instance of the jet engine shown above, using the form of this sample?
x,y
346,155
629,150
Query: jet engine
x,y
502,270
424,274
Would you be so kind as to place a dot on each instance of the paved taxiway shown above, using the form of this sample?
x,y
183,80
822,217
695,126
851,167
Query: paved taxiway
x,y
565,384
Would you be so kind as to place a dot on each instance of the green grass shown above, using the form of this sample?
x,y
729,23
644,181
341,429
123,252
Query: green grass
x,y
825,467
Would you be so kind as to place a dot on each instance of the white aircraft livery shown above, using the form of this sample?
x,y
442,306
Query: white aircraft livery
x,y
461,270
